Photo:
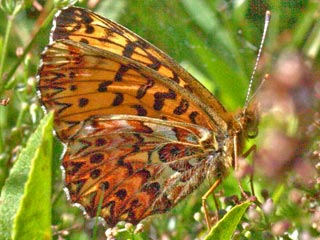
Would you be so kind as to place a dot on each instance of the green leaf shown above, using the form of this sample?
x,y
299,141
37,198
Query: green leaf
x,y
225,228
25,208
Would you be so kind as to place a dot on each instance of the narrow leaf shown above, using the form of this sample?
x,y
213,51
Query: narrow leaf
x,y
225,228
25,208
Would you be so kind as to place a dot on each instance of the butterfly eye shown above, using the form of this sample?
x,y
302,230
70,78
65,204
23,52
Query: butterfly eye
x,y
253,133
253,130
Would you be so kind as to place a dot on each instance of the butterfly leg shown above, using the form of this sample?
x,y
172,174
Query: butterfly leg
x,y
204,199
252,150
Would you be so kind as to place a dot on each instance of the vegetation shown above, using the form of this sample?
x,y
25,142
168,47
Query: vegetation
x,y
216,41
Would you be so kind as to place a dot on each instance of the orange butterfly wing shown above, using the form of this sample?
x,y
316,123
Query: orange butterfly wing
x,y
79,81
156,88
139,166
82,25
141,133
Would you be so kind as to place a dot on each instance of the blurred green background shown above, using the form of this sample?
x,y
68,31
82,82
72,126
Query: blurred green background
x,y
215,40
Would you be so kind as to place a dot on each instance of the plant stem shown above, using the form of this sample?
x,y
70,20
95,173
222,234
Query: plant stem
x,y
4,50
28,48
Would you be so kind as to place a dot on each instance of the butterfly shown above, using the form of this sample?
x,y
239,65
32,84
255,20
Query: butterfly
x,y
140,132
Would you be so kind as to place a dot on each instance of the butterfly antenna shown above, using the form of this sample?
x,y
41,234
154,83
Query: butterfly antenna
x,y
266,24
266,77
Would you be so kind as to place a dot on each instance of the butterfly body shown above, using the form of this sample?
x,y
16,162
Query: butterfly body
x,y
140,132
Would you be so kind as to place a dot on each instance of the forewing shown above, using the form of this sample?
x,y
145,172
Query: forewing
x,y
79,81
82,25
138,166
